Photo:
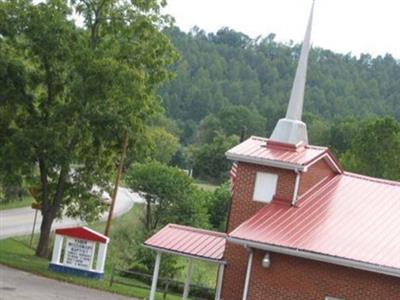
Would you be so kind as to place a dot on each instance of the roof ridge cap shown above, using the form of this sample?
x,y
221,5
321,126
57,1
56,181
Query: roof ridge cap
x,y
370,178
199,230
260,138
316,147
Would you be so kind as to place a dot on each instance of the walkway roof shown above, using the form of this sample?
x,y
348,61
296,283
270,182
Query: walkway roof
x,y
190,242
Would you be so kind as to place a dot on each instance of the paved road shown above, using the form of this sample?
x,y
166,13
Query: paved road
x,y
19,285
19,221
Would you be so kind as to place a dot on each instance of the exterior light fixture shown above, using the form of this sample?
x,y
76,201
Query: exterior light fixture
x,y
266,262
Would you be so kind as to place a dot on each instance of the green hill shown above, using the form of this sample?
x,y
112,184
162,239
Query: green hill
x,y
227,68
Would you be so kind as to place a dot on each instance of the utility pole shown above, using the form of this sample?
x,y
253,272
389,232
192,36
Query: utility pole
x,y
243,133
117,180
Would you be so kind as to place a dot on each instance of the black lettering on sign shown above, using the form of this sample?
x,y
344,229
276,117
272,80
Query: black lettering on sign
x,y
79,253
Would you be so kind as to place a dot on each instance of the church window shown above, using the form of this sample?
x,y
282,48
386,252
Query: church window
x,y
265,187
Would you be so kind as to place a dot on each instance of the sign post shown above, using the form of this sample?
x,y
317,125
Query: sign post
x,y
34,225
36,206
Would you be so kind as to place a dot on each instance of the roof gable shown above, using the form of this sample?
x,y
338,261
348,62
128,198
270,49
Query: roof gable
x,y
83,233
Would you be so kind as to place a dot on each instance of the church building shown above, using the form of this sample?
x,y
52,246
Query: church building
x,y
299,226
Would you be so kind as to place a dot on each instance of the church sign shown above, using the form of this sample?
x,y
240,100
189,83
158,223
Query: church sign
x,y
77,254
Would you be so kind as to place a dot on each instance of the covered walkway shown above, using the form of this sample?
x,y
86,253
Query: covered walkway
x,y
192,243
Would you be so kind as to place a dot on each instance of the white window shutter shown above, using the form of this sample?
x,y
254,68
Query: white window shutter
x,y
265,187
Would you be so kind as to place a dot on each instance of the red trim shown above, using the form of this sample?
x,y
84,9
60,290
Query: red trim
x,y
334,164
282,201
83,233
331,155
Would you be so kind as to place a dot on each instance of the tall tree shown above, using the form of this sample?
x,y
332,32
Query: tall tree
x,y
170,195
12,82
375,150
231,120
342,132
209,161
218,207
83,88
156,144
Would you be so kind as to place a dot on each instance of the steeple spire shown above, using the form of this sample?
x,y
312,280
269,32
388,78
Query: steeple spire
x,y
295,107
291,130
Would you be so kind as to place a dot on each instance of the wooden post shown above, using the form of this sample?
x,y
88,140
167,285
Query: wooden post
x,y
166,289
155,277
112,275
188,280
33,228
119,174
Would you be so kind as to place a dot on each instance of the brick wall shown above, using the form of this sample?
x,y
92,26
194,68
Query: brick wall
x,y
291,277
315,174
242,208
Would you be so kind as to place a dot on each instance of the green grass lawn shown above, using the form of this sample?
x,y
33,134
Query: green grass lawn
x,y
15,252
26,201
204,273
205,185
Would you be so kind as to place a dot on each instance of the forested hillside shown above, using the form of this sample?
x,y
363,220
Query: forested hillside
x,y
228,68
228,85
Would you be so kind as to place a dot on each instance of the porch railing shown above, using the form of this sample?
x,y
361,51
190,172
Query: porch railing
x,y
166,286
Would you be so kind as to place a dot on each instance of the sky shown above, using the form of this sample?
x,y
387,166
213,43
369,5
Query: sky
x,y
344,26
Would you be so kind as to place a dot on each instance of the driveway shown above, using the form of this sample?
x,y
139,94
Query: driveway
x,y
15,284
19,221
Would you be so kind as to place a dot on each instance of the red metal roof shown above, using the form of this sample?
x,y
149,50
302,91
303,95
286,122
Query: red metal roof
x,y
189,241
255,150
350,217
83,233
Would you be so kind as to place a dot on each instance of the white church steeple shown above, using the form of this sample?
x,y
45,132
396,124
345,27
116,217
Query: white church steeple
x,y
291,130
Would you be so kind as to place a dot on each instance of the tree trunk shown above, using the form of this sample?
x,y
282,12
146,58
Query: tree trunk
x,y
148,214
45,229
